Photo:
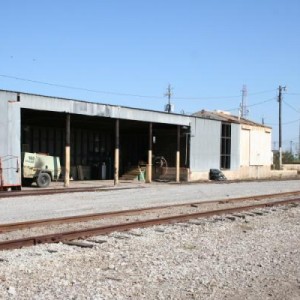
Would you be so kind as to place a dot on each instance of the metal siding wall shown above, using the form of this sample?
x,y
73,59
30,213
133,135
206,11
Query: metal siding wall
x,y
10,138
93,109
3,126
235,146
205,145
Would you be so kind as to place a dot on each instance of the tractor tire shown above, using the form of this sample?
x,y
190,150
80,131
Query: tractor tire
x,y
43,180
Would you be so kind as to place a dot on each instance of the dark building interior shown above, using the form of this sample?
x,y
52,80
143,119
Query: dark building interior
x,y
93,142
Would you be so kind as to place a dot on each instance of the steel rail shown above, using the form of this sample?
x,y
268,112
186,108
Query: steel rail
x,y
89,217
40,192
85,233
50,191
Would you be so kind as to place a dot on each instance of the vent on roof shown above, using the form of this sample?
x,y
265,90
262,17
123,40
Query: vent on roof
x,y
223,112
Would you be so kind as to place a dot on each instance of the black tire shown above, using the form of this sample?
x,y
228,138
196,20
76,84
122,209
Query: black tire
x,y
43,180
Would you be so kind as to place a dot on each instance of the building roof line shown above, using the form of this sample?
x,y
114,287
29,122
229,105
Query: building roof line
x,y
90,102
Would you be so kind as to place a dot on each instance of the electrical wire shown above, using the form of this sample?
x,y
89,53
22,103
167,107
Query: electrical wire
x,y
294,139
127,94
254,104
78,88
286,123
290,122
291,106
222,97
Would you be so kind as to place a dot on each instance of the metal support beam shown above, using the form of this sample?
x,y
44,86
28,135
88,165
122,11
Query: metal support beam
x,y
117,146
178,155
67,151
149,165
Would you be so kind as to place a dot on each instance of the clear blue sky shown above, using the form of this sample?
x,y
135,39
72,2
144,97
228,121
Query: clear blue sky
x,y
206,50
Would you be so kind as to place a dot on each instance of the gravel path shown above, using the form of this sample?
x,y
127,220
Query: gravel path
x,y
253,258
50,206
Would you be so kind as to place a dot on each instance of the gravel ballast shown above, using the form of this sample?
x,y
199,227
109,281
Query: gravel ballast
x,y
253,258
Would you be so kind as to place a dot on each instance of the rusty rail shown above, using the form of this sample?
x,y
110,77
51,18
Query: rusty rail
x,y
71,235
89,217
40,192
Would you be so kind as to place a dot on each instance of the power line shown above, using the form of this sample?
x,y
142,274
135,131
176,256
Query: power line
x,y
293,94
291,122
127,94
287,140
223,97
290,106
286,123
262,102
254,104
79,88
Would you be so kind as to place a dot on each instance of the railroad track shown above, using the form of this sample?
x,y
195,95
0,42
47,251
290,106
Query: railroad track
x,y
125,226
89,217
38,191
104,188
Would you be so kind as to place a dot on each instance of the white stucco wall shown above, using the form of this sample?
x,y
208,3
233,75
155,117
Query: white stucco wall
x,y
255,146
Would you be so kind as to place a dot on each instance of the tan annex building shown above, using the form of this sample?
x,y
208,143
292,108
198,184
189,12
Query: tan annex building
x,y
253,157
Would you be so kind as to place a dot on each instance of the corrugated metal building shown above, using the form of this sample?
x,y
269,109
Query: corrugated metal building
x,y
122,139
250,154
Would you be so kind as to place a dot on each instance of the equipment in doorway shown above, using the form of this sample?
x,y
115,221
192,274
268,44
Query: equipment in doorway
x,y
9,170
216,174
160,165
39,168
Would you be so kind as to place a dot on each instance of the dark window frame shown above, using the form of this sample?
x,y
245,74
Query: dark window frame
x,y
225,151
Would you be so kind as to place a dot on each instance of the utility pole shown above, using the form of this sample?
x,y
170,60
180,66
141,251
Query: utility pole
x,y
243,106
169,95
280,89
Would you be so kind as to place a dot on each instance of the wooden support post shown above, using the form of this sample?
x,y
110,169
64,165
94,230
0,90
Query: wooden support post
x,y
117,142
178,155
67,151
149,165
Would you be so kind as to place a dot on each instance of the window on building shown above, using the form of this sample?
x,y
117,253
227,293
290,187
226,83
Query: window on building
x,y
225,146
